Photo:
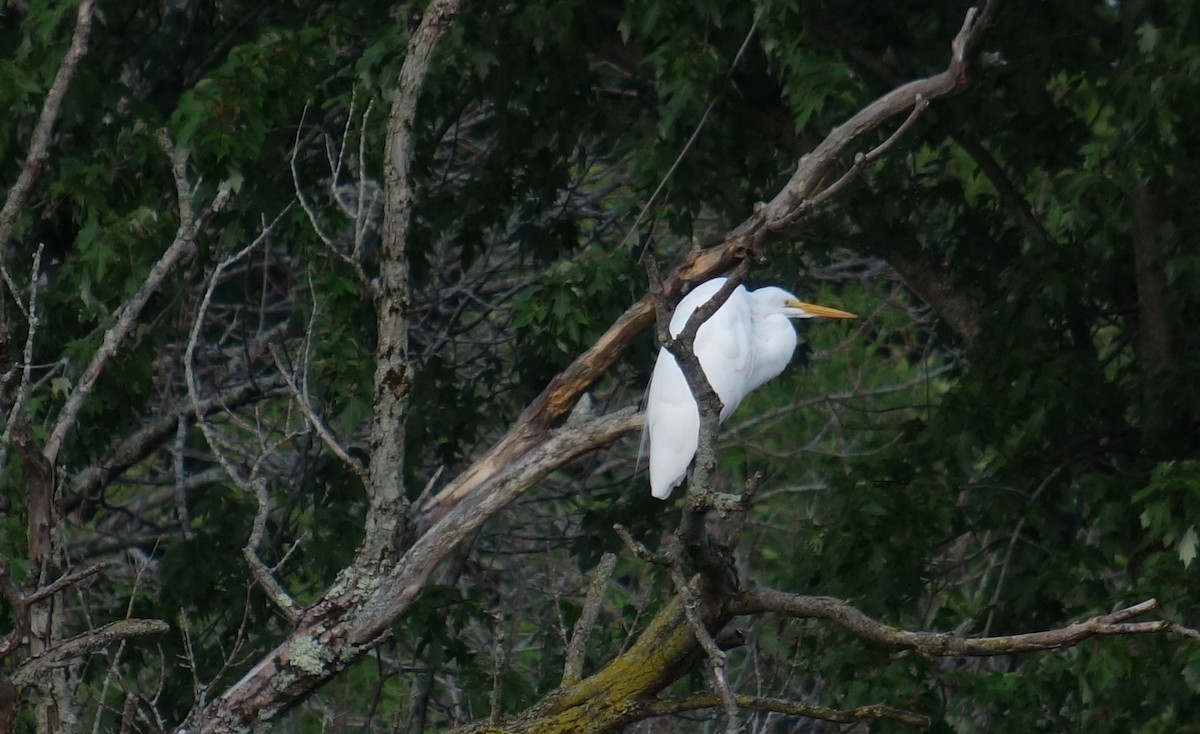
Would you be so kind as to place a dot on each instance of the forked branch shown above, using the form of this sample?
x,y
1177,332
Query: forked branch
x,y
127,316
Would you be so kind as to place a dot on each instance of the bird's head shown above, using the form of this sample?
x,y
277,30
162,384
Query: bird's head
x,y
795,309
777,300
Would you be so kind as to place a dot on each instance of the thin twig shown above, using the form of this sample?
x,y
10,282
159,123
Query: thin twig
x,y
305,204
639,549
362,213
1012,545
279,596
199,690
181,431
691,141
314,420
251,484
22,395
864,161
503,643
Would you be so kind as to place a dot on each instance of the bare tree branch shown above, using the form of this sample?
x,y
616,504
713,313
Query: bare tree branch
x,y
716,658
279,596
942,644
577,647
62,583
127,317
351,617
299,665
387,503
76,647
314,420
251,484
18,406
789,205
39,142
150,437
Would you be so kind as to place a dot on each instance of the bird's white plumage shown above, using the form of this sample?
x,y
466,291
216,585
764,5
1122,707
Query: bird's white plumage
x,y
745,343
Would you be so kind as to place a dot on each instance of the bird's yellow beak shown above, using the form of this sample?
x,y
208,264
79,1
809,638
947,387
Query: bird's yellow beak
x,y
824,311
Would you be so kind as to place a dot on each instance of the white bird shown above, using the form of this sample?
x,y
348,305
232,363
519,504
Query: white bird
x,y
748,341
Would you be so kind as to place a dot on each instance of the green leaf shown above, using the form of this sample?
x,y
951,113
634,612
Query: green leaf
x,y
1187,546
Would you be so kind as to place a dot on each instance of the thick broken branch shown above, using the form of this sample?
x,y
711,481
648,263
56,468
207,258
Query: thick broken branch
x,y
405,582
349,619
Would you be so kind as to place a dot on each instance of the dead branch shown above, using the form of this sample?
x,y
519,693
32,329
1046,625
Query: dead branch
x,y
252,484
63,583
789,206
387,509
365,207
944,644
314,420
264,693
76,647
39,141
182,247
351,618
279,596
151,436
692,603
18,405
577,646
864,161
404,583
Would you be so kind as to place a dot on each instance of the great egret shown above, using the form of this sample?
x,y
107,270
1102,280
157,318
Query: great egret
x,y
748,341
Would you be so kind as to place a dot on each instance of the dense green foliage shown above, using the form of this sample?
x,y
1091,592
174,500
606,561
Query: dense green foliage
x,y
1039,466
